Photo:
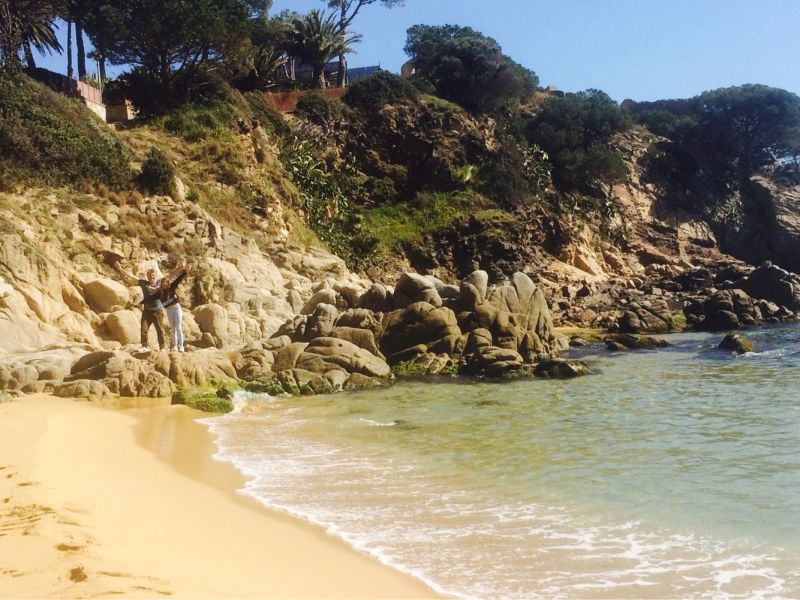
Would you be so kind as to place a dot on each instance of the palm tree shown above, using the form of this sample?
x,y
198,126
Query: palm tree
x,y
39,34
27,24
316,39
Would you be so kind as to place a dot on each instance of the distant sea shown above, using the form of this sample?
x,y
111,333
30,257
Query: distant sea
x,y
666,474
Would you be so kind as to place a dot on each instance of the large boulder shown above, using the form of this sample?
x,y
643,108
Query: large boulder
x,y
195,368
492,361
361,318
515,313
629,341
412,287
103,294
81,388
129,377
325,354
124,326
15,376
649,316
323,296
123,374
321,321
473,289
213,320
726,310
378,298
770,282
560,368
420,326
253,363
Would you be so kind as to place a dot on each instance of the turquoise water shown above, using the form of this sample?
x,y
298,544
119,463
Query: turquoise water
x,y
671,473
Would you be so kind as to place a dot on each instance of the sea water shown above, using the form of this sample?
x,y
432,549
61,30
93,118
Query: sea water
x,y
665,474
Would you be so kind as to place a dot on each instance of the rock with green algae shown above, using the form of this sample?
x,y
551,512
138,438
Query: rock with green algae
x,y
213,401
629,341
561,368
736,343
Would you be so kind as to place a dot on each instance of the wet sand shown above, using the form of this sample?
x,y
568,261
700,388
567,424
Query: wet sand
x,y
130,503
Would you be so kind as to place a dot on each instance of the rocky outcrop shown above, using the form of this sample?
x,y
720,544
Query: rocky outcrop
x,y
628,341
736,343
122,374
770,282
648,316
724,310
771,221
559,368
488,330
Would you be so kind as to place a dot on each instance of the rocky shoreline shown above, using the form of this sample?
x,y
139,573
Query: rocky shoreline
x,y
344,338
288,319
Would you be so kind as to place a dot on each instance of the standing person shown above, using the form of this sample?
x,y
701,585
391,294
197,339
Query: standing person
x,y
153,309
172,304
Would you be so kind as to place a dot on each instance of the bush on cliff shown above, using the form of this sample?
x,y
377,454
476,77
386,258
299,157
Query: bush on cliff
x,y
157,174
575,131
50,139
371,93
467,67
319,109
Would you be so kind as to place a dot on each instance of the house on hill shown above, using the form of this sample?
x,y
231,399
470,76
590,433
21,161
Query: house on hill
x,y
91,96
301,71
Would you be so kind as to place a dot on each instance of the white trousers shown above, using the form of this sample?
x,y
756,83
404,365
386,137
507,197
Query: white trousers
x,y
175,317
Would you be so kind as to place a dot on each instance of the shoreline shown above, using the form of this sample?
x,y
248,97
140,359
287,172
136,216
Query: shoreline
x,y
130,503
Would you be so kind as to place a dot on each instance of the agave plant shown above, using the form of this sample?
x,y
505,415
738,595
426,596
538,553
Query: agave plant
x,y
266,60
316,39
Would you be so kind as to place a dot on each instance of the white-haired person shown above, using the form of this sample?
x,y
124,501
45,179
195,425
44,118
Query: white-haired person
x,y
152,304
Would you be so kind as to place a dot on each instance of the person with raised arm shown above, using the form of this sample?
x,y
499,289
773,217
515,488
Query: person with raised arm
x,y
172,304
153,306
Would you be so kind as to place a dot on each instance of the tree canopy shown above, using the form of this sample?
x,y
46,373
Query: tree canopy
x,y
164,37
757,123
316,39
728,135
575,131
467,67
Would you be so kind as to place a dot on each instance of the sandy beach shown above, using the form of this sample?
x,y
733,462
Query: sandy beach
x,y
96,502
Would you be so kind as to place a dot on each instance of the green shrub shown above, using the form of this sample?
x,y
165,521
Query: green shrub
x,y
319,109
575,131
158,174
152,97
50,139
195,122
269,118
371,93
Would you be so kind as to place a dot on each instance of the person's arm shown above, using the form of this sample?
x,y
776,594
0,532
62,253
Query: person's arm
x,y
181,267
125,273
174,285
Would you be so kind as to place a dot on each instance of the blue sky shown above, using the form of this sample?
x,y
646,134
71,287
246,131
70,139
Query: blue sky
x,y
640,49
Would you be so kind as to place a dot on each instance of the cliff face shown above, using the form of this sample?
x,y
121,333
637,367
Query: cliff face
x,y
266,302
57,284
765,221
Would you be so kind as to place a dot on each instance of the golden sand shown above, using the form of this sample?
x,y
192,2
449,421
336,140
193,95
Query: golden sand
x,y
129,503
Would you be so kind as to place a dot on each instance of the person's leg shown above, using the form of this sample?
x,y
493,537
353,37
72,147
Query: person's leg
x,y
173,325
179,326
145,327
158,321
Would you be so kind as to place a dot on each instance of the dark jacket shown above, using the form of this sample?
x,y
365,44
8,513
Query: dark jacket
x,y
167,297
